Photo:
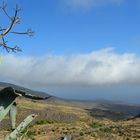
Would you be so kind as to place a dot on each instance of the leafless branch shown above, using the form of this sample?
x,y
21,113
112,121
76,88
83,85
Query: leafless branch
x,y
29,32
3,7
9,49
4,31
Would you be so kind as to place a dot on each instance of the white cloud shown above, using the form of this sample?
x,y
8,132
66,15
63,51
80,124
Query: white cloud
x,y
86,4
96,68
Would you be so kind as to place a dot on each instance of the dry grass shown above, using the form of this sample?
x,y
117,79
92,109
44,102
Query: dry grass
x,y
82,126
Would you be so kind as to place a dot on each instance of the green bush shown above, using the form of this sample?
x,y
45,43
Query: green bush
x,y
96,125
106,130
81,133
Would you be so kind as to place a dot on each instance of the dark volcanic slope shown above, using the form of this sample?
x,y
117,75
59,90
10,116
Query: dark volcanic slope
x,y
127,109
108,109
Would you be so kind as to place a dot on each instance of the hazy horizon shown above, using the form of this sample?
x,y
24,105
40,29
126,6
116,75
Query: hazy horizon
x,y
118,94
124,94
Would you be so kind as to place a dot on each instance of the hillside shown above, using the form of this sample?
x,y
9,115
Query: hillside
x,y
80,119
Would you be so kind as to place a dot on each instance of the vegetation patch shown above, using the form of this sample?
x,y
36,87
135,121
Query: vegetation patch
x,y
46,121
96,125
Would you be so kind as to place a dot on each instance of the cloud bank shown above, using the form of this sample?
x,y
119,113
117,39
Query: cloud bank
x,y
87,4
100,67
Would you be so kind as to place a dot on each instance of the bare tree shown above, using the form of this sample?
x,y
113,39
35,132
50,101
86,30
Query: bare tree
x,y
4,31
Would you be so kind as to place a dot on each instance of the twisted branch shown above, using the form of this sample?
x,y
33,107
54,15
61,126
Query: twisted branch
x,y
4,31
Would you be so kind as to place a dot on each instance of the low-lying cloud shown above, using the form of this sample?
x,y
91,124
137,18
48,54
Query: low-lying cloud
x,y
100,67
86,4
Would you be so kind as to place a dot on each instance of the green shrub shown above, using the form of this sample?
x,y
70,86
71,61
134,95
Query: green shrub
x,y
106,130
81,133
96,125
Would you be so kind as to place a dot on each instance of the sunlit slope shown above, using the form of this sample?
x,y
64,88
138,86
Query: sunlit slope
x,y
62,118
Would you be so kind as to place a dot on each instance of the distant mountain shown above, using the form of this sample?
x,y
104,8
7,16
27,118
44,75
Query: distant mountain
x,y
29,91
97,108
100,114
127,109
137,116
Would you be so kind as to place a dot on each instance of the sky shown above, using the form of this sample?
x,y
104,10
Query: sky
x,y
81,49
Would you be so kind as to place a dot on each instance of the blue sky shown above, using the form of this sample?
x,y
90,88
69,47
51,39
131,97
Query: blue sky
x,y
63,28
90,44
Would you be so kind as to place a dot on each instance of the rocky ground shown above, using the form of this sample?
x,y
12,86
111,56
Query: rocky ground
x,y
57,119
